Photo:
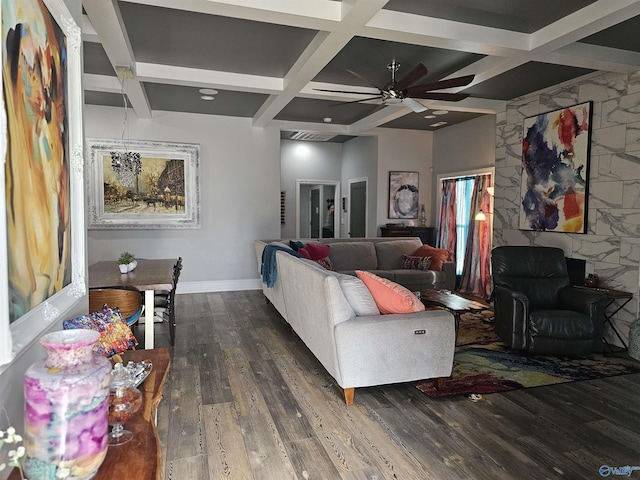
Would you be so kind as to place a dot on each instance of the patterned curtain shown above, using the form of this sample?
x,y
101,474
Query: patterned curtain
x,y
446,232
476,275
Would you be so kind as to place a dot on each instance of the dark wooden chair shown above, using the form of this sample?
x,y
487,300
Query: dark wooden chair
x,y
127,300
164,302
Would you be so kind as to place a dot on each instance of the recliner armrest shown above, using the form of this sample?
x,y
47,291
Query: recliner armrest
x,y
511,310
581,300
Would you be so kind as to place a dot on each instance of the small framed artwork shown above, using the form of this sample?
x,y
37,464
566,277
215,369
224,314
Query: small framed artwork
x,y
403,194
143,184
554,184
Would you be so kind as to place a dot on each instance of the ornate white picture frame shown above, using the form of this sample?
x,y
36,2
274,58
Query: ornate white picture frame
x,y
27,308
161,191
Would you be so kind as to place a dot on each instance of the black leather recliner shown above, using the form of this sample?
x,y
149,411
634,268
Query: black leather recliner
x,y
535,307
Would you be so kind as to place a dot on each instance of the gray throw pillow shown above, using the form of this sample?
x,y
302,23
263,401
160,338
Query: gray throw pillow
x,y
358,295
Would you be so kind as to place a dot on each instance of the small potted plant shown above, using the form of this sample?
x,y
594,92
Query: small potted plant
x,y
123,262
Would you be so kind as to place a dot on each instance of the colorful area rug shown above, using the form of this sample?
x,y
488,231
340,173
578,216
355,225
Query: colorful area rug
x,y
482,364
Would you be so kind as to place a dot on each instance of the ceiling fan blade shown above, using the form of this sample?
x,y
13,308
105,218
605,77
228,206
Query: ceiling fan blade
x,y
363,78
355,101
450,83
447,97
411,77
414,105
342,91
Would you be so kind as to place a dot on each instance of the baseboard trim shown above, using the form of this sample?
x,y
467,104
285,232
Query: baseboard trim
x,y
218,286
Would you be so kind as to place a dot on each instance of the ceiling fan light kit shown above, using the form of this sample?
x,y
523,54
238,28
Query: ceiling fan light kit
x,y
404,92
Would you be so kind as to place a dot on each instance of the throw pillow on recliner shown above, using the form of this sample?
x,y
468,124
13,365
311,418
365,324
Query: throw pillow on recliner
x,y
438,256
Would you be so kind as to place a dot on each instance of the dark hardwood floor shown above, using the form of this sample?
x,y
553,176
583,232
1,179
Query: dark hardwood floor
x,y
246,400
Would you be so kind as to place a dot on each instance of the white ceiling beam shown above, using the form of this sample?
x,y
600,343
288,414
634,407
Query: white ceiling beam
x,y
311,14
197,77
324,47
107,22
89,33
436,32
101,83
594,57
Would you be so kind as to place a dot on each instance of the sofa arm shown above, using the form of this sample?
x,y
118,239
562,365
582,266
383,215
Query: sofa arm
x,y
381,349
449,270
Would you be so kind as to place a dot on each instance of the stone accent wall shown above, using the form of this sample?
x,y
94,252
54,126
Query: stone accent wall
x,y
611,247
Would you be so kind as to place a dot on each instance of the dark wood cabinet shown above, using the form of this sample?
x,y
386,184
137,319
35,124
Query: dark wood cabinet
x,y
426,234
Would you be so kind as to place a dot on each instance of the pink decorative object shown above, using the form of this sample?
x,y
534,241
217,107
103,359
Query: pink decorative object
x,y
66,408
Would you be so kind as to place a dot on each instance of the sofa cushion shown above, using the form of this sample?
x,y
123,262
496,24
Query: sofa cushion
x,y
358,295
390,253
438,256
351,256
412,262
415,279
389,296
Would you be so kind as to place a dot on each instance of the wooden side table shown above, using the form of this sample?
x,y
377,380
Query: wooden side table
x,y
141,458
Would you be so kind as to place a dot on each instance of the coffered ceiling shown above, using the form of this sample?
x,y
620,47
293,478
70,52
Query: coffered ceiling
x,y
267,58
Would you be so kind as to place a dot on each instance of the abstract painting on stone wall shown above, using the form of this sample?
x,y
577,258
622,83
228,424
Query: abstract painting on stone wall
x,y
554,186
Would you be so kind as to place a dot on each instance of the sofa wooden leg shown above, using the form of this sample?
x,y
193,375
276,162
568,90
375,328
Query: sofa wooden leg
x,y
441,382
348,395
293,332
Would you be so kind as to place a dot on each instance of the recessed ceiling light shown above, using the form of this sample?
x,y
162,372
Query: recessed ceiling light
x,y
429,116
208,91
207,97
327,119
440,112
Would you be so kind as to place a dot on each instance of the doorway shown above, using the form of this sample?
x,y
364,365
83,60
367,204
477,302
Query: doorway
x,y
315,206
358,207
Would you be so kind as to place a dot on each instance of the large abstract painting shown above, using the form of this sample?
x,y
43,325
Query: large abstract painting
x,y
555,170
41,227
403,194
143,184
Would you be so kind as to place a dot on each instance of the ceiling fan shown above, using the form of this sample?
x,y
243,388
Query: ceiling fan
x,y
402,91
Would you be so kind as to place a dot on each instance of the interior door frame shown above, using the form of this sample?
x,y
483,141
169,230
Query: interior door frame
x,y
336,197
366,203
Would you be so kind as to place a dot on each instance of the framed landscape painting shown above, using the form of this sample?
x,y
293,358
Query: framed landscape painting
x,y
42,228
403,194
143,184
554,185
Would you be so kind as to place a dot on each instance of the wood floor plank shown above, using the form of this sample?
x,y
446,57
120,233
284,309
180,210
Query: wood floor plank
x,y
246,399
225,449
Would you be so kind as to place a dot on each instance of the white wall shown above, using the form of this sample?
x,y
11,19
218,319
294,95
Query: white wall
x,y
303,160
240,197
404,150
611,247
466,146
360,160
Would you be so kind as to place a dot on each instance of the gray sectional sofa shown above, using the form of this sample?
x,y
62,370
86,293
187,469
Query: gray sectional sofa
x,y
336,317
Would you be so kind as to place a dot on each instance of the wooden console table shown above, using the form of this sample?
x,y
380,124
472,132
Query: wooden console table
x,y
426,234
141,458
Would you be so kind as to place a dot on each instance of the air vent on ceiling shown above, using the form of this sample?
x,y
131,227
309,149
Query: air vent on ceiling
x,y
313,136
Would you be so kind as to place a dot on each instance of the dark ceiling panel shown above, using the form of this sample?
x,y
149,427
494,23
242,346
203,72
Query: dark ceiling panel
x,y
416,121
189,39
104,98
177,98
525,16
311,110
527,78
370,57
623,36
95,59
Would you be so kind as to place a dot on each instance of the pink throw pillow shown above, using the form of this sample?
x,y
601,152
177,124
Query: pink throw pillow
x,y
389,296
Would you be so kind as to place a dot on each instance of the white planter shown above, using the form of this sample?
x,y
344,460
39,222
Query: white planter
x,y
132,265
124,268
